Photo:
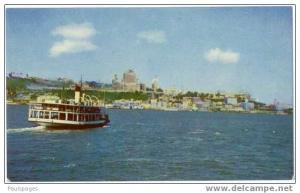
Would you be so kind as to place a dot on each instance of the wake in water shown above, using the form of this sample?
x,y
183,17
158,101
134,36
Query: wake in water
x,y
40,129
27,129
43,129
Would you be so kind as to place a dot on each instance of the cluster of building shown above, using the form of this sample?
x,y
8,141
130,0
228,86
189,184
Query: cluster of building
x,y
174,100
170,102
130,83
167,99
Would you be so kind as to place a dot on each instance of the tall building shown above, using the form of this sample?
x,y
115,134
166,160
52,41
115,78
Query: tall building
x,y
155,84
115,83
129,77
130,81
142,87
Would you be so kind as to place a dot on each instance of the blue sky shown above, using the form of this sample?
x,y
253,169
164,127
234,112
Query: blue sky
x,y
193,48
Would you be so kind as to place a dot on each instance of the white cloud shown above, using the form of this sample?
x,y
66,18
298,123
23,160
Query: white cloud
x,y
76,38
70,46
75,31
225,57
153,36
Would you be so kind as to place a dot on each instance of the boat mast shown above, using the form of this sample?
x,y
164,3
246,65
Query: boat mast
x,y
78,92
104,97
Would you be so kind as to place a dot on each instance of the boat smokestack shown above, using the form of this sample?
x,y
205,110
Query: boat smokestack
x,y
77,94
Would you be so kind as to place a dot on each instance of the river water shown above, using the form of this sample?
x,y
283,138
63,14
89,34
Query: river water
x,y
144,145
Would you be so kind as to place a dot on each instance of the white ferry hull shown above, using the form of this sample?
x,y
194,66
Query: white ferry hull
x,y
58,124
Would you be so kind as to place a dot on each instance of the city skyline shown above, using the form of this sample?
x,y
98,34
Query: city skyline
x,y
200,48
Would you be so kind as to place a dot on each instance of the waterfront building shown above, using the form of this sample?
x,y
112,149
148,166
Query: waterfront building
x,y
231,101
127,104
243,96
171,91
200,104
154,103
247,106
218,96
187,103
205,106
196,100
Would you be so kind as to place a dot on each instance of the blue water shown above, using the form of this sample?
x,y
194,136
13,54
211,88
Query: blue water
x,y
153,145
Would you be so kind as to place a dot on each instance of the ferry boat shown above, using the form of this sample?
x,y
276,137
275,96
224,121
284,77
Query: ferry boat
x,y
83,111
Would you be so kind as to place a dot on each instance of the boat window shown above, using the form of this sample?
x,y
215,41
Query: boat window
x,y
70,117
46,115
35,114
31,114
80,117
82,110
41,114
62,116
54,115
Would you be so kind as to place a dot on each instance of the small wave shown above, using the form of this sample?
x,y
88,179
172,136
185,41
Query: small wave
x,y
138,160
27,129
194,138
48,158
71,165
196,132
217,133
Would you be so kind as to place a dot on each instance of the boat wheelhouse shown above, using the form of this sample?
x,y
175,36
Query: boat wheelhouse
x,y
83,112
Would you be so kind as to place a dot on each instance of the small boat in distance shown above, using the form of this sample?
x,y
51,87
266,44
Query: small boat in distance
x,y
83,111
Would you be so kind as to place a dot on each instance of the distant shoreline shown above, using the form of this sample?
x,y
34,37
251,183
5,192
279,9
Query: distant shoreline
x,y
240,112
